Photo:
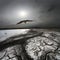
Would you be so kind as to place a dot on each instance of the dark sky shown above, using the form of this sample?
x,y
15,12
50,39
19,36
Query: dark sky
x,y
44,13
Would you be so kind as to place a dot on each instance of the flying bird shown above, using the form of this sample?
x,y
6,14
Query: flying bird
x,y
24,21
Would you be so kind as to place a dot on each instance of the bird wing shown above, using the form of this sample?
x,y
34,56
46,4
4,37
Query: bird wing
x,y
24,21
20,22
29,20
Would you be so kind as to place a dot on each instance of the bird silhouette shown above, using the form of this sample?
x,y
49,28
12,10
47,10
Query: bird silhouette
x,y
24,21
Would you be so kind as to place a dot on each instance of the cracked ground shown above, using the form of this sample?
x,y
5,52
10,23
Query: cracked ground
x,y
37,45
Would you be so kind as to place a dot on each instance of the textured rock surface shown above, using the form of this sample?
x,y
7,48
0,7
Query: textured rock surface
x,y
42,47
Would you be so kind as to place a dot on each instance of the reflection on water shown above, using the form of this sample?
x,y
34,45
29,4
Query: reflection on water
x,y
8,33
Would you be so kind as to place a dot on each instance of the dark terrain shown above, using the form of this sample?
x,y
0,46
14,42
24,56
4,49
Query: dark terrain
x,y
36,44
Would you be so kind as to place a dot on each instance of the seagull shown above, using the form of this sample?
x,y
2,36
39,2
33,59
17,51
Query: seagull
x,y
24,21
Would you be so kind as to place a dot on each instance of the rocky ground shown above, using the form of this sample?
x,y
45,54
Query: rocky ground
x,y
38,44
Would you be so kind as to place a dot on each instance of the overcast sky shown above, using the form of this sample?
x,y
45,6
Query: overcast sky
x,y
43,12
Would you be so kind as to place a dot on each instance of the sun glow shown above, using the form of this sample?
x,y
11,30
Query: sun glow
x,y
23,14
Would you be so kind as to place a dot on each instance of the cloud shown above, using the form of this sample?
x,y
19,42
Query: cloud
x,y
45,11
